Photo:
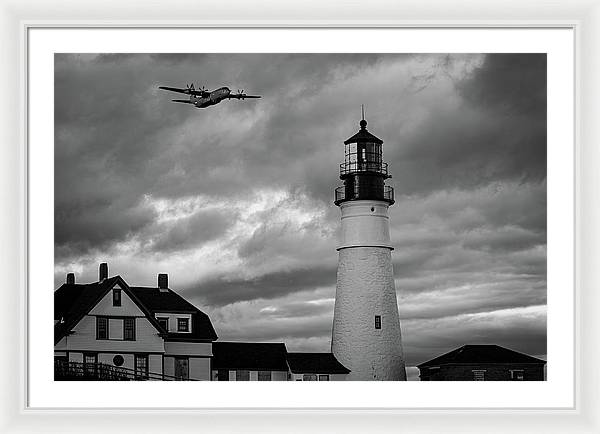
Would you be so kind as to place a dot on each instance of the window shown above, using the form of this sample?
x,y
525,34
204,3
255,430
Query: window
x,y
164,323
183,324
242,375
517,375
129,329
378,321
89,364
479,375
309,377
324,377
264,375
223,375
117,297
141,367
101,327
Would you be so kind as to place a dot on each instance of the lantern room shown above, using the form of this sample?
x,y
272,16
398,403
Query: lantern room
x,y
363,171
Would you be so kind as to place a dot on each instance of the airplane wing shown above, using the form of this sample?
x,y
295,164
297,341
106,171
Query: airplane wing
x,y
241,96
186,101
185,91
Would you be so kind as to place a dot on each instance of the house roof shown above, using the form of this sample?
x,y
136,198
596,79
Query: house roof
x,y
73,301
481,354
249,355
315,363
168,301
165,301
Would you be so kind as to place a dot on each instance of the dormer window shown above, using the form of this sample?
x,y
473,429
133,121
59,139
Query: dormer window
x,y
164,323
117,297
183,324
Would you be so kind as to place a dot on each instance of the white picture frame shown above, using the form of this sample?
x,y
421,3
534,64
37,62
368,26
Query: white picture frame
x,y
17,18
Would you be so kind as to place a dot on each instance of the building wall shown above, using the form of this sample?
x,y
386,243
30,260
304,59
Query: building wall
x,y
361,226
105,306
493,372
155,362
275,375
332,377
76,357
169,366
199,368
189,348
84,338
279,376
365,288
107,359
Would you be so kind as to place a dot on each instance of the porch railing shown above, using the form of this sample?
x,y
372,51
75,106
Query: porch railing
x,y
75,371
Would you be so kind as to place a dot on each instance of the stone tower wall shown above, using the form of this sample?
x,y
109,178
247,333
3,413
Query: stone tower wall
x,y
365,288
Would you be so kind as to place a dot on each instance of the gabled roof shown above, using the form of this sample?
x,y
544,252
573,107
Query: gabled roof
x,y
249,355
73,301
481,354
315,363
162,301
168,301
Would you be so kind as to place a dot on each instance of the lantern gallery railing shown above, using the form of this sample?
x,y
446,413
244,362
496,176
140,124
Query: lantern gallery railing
x,y
356,192
363,166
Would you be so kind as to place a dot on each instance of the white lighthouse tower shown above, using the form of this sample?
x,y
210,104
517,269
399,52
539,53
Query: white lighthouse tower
x,y
366,334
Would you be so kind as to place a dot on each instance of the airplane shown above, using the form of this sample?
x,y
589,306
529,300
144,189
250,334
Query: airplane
x,y
203,98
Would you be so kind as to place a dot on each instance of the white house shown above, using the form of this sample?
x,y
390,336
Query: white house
x,y
108,330
133,332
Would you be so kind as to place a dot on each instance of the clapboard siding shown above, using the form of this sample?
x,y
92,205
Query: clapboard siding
x,y
188,348
84,338
199,368
127,308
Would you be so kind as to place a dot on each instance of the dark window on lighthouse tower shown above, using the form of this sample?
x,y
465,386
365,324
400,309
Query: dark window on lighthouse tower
x,y
378,321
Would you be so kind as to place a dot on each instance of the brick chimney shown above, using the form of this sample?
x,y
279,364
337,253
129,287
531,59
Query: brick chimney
x,y
103,272
163,282
71,279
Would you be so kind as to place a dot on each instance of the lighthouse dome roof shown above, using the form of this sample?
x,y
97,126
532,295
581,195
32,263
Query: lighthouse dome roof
x,y
363,135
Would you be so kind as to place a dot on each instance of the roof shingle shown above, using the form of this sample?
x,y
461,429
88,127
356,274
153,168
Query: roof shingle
x,y
315,363
481,354
250,355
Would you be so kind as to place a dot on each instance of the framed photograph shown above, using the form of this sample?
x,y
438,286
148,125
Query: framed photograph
x,y
302,199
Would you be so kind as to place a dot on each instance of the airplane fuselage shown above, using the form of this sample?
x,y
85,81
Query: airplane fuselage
x,y
215,97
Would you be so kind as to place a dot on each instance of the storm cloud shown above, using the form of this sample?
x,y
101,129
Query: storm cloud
x,y
235,201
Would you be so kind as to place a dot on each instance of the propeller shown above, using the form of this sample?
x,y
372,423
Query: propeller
x,y
241,93
190,87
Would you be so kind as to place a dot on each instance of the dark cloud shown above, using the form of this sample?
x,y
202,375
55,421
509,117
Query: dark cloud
x,y
83,224
192,231
515,82
465,138
496,132
523,331
224,290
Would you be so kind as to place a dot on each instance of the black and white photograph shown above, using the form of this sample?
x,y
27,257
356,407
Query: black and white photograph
x,y
300,217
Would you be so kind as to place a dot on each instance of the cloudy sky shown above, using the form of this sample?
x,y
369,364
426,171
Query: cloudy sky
x,y
235,201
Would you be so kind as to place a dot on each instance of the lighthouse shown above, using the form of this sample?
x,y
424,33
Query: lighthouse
x,y
366,335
